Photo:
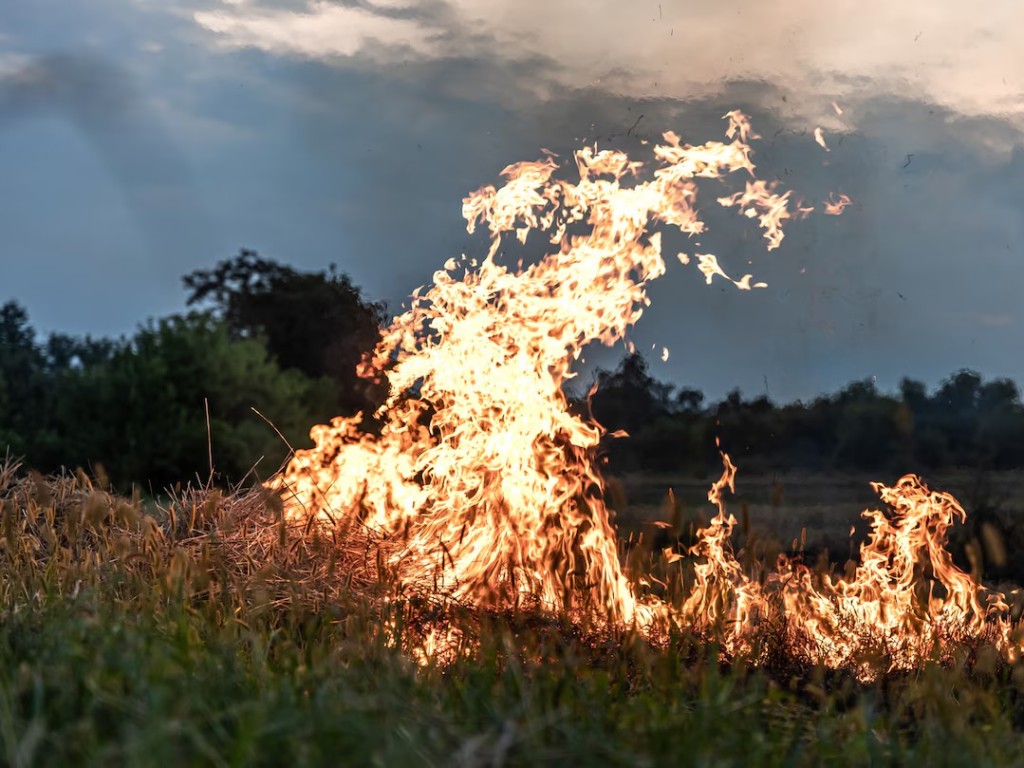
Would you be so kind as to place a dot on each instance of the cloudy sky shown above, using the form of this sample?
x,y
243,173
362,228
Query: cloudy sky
x,y
142,139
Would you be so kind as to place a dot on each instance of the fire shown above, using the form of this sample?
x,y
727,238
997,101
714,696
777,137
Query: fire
x,y
819,137
708,264
905,603
759,200
483,482
723,602
906,596
835,206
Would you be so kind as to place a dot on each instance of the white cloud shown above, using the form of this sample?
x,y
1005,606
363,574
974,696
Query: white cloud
x,y
995,321
12,62
944,52
323,30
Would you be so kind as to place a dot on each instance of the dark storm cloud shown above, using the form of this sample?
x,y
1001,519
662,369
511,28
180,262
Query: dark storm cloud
x,y
99,98
349,133
901,284
100,102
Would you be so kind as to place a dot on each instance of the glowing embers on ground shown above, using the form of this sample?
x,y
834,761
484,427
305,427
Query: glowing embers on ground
x,y
482,479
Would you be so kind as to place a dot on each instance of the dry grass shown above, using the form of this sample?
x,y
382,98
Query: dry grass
x,y
61,536
816,511
209,630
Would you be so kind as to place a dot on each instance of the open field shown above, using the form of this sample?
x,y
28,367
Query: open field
x,y
817,511
128,639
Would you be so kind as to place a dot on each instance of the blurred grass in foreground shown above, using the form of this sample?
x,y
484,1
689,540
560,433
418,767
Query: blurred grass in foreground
x,y
214,633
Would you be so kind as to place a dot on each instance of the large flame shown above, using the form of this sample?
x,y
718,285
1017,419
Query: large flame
x,y
484,480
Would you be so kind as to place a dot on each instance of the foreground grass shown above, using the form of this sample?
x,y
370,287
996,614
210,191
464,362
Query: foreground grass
x,y
128,642
83,683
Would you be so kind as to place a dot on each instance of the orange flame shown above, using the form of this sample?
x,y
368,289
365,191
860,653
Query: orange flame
x,y
759,200
835,206
479,464
905,603
707,263
819,137
485,482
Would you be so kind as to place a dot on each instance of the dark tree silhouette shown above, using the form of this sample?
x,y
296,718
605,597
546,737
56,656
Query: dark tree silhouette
x,y
137,405
317,323
143,413
629,397
22,372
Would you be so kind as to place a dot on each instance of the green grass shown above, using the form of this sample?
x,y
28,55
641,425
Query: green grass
x,y
190,640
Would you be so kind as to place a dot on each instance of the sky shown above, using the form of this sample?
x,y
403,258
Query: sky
x,y
143,139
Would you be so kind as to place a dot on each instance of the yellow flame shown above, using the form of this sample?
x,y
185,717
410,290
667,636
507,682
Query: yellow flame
x,y
480,468
835,206
819,137
485,484
759,200
906,601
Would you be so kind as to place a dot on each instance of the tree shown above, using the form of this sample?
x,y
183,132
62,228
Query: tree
x,y
955,414
914,395
314,322
1000,424
142,413
747,430
689,400
629,397
959,393
64,352
22,370
868,430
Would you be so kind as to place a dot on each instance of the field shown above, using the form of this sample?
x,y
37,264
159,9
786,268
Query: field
x,y
176,637
820,512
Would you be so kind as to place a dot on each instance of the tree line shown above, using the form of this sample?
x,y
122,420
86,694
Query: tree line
x,y
224,390
965,422
264,352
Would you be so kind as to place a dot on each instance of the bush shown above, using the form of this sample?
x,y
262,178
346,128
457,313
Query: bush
x,y
142,414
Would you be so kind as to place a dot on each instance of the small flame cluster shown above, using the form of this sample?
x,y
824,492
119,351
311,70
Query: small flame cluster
x,y
904,604
485,481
